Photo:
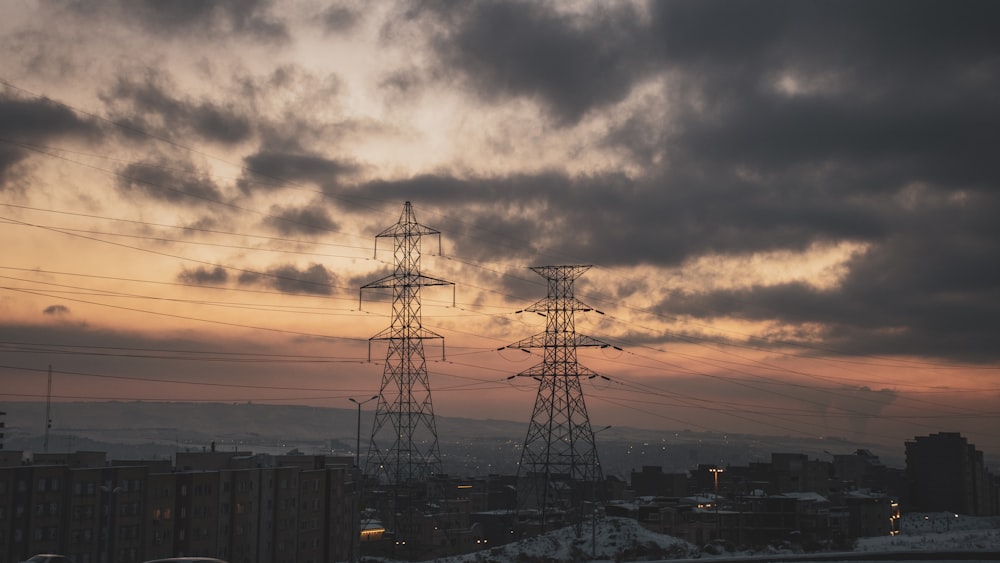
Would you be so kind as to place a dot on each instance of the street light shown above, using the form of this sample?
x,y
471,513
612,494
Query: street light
x,y
357,445
718,525
356,534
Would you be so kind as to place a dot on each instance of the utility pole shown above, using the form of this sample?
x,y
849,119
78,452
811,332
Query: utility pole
x,y
559,455
48,412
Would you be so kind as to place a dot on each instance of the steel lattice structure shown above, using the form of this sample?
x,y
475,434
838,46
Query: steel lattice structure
x,y
404,441
559,459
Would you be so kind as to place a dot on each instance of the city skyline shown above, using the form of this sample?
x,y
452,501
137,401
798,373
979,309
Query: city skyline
x,y
789,207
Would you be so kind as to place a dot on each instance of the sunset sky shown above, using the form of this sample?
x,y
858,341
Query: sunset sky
x,y
792,209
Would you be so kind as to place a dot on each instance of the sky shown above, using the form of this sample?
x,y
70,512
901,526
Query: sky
x,y
789,207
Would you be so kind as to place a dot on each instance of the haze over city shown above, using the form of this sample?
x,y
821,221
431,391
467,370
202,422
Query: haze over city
x,y
790,207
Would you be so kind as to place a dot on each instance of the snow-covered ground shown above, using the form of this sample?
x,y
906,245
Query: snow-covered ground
x,y
939,531
617,539
621,539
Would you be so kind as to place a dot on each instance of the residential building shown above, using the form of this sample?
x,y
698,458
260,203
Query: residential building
x,y
241,508
946,473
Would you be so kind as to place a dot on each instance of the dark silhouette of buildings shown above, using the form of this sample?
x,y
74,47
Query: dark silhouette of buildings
x,y
946,473
789,498
248,508
240,507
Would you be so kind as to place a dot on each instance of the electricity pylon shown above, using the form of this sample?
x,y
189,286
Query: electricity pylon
x,y
404,442
559,463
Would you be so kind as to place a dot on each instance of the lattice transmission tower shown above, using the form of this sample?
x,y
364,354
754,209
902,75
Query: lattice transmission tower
x,y
404,441
559,463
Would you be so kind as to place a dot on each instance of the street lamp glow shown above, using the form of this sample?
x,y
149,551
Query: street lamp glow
x,y
715,472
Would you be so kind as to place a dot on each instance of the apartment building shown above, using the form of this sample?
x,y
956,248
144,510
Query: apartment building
x,y
242,508
947,473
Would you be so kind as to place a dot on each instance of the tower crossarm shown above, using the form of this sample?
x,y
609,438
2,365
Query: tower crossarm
x,y
397,332
545,340
549,304
547,370
412,280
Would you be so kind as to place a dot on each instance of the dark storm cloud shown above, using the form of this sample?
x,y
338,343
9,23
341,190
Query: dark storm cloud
x,y
891,93
148,104
613,220
26,125
780,125
927,282
203,275
570,64
575,62
312,219
288,278
922,291
168,182
267,167
180,18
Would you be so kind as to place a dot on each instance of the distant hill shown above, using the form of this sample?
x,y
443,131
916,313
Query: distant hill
x,y
142,430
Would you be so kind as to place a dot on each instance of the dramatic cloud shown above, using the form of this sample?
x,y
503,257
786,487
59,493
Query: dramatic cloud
x,y
204,276
314,280
339,19
214,20
149,105
167,181
310,220
56,310
569,62
27,125
267,167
